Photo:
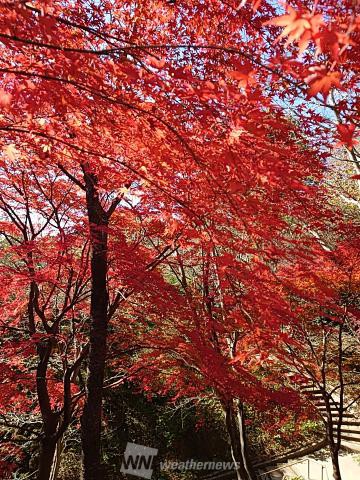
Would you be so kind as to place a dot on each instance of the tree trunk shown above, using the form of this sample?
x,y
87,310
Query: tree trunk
x,y
334,451
50,419
334,437
335,463
234,416
57,459
336,432
47,452
91,417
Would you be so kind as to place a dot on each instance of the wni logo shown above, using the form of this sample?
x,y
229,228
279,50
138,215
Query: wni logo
x,y
138,460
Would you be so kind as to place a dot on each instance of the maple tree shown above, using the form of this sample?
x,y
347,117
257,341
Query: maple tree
x,y
211,343
326,300
152,115
46,262
45,268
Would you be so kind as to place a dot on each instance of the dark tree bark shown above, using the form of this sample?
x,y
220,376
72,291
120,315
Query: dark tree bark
x,y
235,425
57,459
50,419
333,437
334,427
92,413
335,464
47,452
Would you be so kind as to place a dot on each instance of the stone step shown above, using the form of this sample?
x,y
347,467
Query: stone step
x,y
332,409
323,409
350,438
353,446
351,422
309,390
350,431
345,415
335,419
320,401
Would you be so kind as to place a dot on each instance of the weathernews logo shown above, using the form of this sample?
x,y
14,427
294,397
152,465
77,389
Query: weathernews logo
x,y
138,460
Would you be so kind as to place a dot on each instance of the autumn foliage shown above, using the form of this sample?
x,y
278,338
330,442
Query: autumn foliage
x,y
165,213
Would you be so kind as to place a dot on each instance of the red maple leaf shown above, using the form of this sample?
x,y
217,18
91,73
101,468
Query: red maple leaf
x,y
245,76
346,133
300,27
5,98
322,81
